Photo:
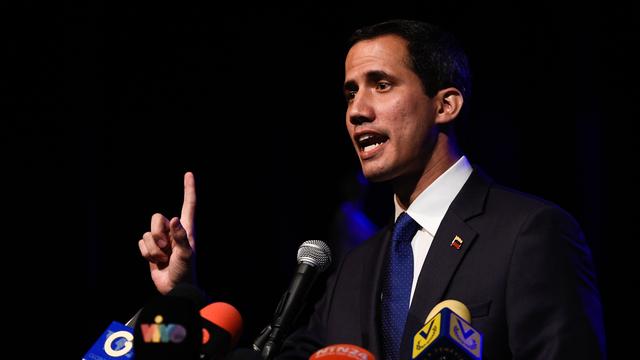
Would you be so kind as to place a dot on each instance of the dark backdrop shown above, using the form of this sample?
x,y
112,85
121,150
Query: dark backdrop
x,y
108,105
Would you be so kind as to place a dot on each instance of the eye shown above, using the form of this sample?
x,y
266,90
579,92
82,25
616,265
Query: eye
x,y
383,85
350,95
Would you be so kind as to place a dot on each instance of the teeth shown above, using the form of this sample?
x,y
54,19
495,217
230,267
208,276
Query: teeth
x,y
365,137
371,147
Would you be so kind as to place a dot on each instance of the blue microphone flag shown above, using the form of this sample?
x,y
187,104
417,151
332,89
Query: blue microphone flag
x,y
115,343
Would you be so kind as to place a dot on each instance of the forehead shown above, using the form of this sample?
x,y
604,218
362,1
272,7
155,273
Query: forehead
x,y
387,52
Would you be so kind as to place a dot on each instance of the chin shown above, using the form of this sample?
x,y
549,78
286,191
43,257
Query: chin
x,y
376,175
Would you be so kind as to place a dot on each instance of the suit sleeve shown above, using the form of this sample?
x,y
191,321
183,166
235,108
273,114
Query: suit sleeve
x,y
552,302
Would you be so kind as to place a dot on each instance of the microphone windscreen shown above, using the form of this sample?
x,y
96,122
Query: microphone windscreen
x,y
190,292
342,352
447,335
168,327
456,306
315,253
221,328
225,316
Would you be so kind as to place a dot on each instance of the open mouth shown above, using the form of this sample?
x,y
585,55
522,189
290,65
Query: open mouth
x,y
370,141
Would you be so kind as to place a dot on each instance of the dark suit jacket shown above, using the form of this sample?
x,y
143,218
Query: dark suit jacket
x,y
524,270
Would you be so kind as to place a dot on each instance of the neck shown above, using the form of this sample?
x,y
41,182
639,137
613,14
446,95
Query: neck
x,y
445,153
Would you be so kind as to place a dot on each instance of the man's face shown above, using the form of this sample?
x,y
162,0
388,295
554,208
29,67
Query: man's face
x,y
389,117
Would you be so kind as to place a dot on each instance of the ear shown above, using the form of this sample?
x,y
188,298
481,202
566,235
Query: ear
x,y
449,103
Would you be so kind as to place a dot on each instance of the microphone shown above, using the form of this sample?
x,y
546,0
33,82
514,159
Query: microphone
x,y
170,327
447,334
117,340
221,328
221,322
342,352
314,257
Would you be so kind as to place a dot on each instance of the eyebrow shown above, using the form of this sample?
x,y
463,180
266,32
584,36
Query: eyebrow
x,y
371,76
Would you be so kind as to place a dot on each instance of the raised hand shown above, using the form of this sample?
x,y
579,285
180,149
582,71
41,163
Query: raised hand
x,y
169,246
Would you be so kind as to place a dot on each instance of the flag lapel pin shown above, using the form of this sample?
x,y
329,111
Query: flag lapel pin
x,y
457,243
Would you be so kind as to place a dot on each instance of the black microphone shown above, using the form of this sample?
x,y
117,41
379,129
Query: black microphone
x,y
314,257
170,326
448,335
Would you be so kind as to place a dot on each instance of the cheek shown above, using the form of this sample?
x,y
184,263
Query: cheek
x,y
409,119
398,114
415,126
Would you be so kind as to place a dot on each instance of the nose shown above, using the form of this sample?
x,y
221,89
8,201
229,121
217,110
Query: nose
x,y
360,109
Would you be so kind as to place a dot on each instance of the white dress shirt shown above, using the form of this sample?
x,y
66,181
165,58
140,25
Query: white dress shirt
x,y
428,210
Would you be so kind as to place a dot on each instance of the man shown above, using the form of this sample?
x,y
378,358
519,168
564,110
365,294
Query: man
x,y
519,263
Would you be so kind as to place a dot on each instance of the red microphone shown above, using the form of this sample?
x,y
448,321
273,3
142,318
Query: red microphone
x,y
221,329
342,352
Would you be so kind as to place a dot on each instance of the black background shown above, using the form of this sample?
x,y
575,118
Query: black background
x,y
108,105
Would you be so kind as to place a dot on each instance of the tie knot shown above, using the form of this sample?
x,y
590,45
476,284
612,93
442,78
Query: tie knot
x,y
405,228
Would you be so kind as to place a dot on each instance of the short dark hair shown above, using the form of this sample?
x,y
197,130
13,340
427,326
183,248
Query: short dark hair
x,y
435,55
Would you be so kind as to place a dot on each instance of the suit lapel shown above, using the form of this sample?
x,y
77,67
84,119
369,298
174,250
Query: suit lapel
x,y
443,258
372,265
439,266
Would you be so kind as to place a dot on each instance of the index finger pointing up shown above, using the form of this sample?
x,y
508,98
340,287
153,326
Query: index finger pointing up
x,y
189,202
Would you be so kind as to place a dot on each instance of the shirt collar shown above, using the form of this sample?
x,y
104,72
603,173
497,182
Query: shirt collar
x,y
429,208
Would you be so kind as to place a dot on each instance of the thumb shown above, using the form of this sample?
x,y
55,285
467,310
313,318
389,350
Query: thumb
x,y
178,233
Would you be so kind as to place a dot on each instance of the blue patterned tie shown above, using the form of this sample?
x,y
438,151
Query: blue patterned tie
x,y
396,285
